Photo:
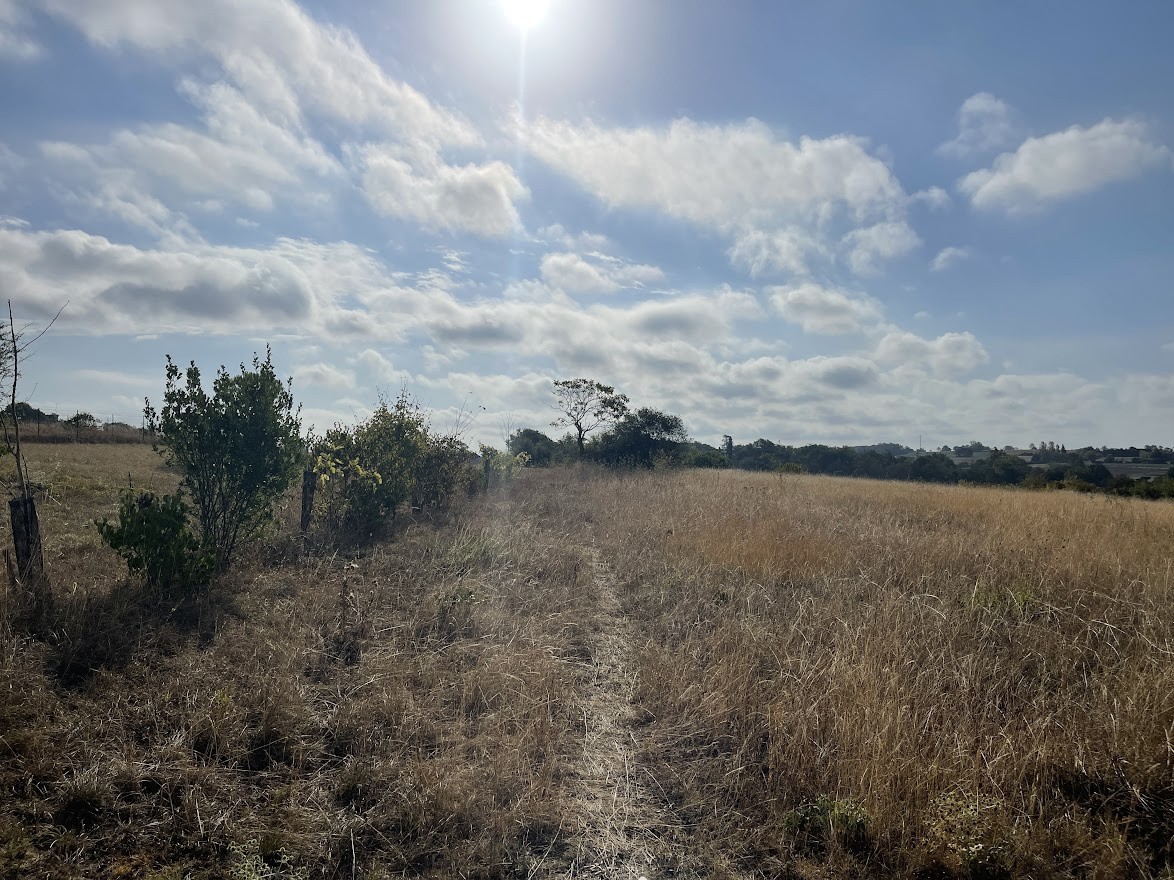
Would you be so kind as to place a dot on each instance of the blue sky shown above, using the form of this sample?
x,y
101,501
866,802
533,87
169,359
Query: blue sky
x,y
844,222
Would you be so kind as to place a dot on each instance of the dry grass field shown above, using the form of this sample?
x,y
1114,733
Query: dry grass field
x,y
699,674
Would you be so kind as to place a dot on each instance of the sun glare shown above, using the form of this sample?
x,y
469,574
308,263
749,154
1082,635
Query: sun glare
x,y
525,14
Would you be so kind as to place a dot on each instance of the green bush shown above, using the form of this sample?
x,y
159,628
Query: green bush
x,y
367,472
152,535
238,449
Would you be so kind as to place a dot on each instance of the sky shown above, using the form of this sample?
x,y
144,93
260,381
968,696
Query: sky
x,y
844,222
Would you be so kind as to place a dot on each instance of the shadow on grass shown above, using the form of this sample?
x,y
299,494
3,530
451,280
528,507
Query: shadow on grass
x,y
87,631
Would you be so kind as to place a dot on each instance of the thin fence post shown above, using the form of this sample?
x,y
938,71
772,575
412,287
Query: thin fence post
x,y
308,485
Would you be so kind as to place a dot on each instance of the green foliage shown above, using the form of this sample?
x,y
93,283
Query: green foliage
x,y
238,448
366,472
644,438
586,405
500,468
541,450
789,467
81,420
152,535
700,455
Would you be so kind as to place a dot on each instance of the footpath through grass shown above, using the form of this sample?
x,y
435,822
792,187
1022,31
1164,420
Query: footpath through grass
x,y
817,677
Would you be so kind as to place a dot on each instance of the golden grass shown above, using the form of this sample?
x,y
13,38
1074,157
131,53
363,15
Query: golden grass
x,y
899,678
834,678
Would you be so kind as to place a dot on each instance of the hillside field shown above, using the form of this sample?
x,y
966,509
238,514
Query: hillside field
x,y
586,674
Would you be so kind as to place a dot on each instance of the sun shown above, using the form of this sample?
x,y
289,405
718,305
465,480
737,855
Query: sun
x,y
525,14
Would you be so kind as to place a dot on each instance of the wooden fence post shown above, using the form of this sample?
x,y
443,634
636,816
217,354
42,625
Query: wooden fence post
x,y
26,538
309,483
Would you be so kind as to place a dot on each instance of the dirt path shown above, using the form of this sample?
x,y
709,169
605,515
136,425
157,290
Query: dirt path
x,y
615,827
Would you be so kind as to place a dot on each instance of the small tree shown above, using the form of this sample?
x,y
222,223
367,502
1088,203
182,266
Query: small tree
x,y
238,448
586,405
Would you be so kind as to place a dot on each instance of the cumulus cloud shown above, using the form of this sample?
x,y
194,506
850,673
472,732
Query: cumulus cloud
x,y
417,185
377,366
776,200
948,256
951,354
323,375
985,124
1065,164
572,273
595,273
117,288
868,248
239,157
716,175
826,310
935,198
282,72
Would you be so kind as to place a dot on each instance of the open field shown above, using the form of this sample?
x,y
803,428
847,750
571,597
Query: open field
x,y
697,674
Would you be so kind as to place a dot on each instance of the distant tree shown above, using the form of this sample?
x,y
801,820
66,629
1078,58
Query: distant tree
x,y
1000,469
28,413
82,420
700,455
643,438
727,446
540,448
933,468
587,405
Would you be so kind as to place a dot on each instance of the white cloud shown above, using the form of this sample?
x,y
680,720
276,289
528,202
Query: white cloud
x,y
789,250
720,176
868,248
777,201
951,354
282,60
282,70
935,198
240,157
948,256
194,287
417,185
323,375
572,273
985,124
826,310
1065,164
836,372
379,367
596,273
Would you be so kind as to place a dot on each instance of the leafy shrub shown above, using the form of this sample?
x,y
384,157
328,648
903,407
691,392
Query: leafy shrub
x,y
238,448
366,472
152,535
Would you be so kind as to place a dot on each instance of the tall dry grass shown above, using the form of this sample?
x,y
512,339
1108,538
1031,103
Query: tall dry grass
x,y
899,679
408,710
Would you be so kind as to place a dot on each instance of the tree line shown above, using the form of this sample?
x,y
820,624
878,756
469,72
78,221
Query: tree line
x,y
605,430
